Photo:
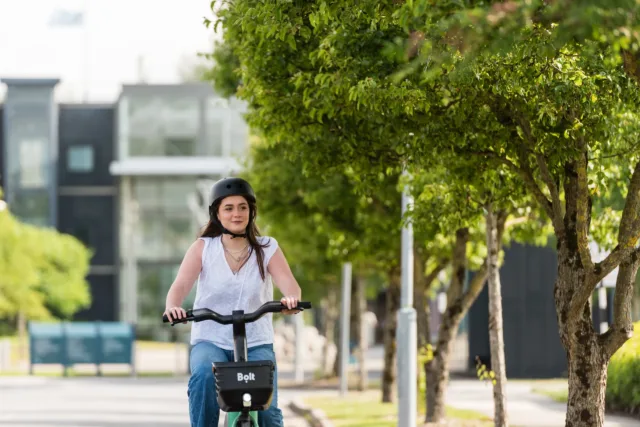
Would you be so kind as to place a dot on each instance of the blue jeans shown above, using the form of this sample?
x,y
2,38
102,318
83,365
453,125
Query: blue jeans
x,y
204,410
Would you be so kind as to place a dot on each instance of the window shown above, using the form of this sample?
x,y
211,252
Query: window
x,y
215,131
80,158
33,163
163,126
166,226
32,206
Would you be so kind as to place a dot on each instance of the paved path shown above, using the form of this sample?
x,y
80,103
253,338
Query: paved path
x,y
525,408
103,402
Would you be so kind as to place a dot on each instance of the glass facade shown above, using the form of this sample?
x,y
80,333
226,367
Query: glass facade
x,y
163,126
164,230
191,125
31,150
155,125
166,227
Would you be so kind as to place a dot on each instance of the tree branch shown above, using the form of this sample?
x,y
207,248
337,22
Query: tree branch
x,y
458,264
547,178
475,286
431,276
631,64
628,233
516,221
631,206
556,203
480,278
526,176
622,327
583,211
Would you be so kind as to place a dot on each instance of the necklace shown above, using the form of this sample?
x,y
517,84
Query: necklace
x,y
236,258
239,260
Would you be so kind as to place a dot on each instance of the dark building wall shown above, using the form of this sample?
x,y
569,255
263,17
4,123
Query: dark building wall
x,y
87,198
532,343
92,126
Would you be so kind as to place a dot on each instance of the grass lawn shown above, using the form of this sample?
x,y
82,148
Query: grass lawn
x,y
556,389
365,410
557,394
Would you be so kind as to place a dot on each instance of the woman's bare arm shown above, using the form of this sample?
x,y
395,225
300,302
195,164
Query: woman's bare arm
x,y
186,277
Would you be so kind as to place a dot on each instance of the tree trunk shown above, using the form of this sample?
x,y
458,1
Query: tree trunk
x,y
420,301
496,338
588,352
587,378
392,306
421,292
331,317
22,334
361,336
458,304
437,370
355,318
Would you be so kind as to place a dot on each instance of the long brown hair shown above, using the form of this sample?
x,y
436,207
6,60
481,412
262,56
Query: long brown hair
x,y
214,229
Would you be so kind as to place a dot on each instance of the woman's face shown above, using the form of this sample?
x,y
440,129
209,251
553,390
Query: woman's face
x,y
233,213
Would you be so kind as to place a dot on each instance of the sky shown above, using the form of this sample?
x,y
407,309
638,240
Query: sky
x,y
120,42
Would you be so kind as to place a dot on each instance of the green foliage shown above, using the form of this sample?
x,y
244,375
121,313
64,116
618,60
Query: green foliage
x,y
425,355
323,221
623,382
484,373
476,28
537,105
42,272
224,74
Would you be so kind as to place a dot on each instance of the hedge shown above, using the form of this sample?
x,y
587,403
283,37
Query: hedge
x,y
623,383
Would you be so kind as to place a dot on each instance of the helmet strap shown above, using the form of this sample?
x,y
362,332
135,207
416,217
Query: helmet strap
x,y
232,234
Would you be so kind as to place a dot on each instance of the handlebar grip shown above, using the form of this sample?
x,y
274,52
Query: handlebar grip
x,y
304,305
165,319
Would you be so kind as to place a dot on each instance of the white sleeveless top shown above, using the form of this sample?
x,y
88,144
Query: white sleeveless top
x,y
222,291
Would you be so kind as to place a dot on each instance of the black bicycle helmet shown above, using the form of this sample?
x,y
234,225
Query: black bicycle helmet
x,y
230,187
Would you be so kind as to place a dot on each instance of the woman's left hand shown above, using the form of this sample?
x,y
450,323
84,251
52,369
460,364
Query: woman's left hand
x,y
291,303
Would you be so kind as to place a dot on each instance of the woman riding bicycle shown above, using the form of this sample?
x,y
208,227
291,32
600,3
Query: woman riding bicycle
x,y
234,266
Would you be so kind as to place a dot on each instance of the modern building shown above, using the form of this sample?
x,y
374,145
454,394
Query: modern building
x,y
124,178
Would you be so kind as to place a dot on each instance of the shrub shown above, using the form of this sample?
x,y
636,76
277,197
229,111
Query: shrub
x,y
623,384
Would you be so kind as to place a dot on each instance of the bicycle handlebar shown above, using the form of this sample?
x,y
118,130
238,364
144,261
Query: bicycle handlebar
x,y
201,314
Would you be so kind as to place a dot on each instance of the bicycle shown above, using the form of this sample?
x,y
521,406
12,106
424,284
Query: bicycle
x,y
243,387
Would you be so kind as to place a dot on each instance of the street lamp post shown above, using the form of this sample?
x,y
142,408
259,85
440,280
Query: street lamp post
x,y
345,315
407,329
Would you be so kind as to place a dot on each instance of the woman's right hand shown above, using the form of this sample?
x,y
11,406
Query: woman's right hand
x,y
175,313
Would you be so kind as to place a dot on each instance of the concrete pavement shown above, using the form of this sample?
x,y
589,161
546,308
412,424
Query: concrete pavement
x,y
104,402
525,408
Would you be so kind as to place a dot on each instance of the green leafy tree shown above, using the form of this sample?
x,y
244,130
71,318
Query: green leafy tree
x,y
562,118
42,272
478,27
326,213
314,73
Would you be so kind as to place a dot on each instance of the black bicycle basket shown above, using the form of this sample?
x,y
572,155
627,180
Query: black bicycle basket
x,y
234,379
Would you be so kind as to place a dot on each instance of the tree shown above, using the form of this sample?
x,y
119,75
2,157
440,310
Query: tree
x,y
328,213
478,27
42,272
560,117
314,73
